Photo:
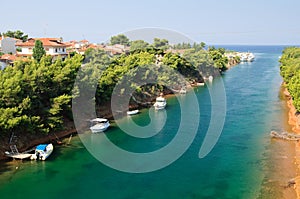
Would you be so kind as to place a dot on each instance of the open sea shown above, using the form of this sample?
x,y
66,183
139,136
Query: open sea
x,y
240,165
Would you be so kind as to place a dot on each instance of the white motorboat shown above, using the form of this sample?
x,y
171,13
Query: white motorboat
x,y
250,57
99,125
160,103
42,152
182,91
133,112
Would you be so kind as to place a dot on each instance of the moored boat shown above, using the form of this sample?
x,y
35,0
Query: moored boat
x,y
99,125
182,91
42,152
133,112
160,103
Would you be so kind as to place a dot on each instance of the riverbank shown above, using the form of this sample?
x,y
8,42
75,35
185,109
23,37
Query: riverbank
x,y
294,123
294,116
25,142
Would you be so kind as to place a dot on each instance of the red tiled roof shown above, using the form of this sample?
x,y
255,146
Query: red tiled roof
x,y
46,42
84,41
8,57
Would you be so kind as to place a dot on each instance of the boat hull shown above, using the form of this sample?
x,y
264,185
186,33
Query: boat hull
x,y
99,128
134,112
42,154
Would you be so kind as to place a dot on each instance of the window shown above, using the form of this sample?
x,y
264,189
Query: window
x,y
56,50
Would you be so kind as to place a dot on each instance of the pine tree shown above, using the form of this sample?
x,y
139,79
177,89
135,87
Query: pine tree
x,y
38,50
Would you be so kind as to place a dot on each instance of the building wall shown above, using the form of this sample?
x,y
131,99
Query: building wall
x,y
26,50
8,45
49,50
56,50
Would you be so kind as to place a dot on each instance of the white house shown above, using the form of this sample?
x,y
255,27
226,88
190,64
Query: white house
x,y
53,47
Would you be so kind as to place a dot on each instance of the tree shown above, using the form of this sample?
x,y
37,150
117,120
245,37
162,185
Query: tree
x,y
16,34
119,39
138,44
38,50
217,55
160,43
202,45
290,71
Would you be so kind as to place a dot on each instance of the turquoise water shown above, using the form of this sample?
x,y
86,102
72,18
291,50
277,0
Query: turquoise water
x,y
233,169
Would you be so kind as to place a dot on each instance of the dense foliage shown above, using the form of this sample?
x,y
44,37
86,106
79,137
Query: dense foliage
x,y
35,96
141,65
119,39
290,71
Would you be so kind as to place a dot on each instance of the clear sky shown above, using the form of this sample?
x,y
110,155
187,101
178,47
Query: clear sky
x,y
211,21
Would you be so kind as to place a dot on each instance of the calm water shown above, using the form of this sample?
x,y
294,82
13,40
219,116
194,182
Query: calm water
x,y
235,168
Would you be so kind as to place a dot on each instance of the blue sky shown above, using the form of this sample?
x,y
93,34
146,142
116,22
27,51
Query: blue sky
x,y
213,21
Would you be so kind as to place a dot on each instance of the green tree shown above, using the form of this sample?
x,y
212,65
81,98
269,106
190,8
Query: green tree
x,y
217,55
202,45
138,44
119,39
160,43
290,71
38,50
16,34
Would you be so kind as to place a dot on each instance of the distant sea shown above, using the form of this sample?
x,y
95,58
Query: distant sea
x,y
237,167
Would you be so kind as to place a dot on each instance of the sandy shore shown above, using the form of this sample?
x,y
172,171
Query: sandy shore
x,y
294,122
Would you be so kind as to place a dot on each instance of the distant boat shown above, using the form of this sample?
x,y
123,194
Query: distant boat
x,y
200,84
42,152
247,57
243,58
99,125
250,57
160,103
133,112
182,91
210,78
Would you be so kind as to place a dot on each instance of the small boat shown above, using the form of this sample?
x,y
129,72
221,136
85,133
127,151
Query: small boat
x,y
182,91
160,103
200,84
251,57
133,112
20,156
99,125
243,58
42,152
210,78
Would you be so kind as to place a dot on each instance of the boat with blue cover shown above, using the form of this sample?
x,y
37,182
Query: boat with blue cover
x,y
42,152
